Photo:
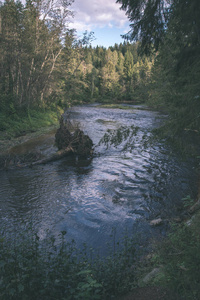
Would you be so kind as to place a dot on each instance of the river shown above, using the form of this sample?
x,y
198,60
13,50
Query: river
x,y
122,188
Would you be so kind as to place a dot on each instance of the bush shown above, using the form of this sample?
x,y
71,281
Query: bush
x,y
180,256
34,269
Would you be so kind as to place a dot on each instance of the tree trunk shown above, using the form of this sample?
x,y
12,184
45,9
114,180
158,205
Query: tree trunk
x,y
58,155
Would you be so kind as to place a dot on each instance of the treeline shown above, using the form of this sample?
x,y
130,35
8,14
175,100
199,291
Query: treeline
x,y
116,74
43,63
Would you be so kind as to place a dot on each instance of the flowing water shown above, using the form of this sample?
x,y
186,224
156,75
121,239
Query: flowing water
x,y
124,186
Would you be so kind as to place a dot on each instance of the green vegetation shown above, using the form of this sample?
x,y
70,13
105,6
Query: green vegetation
x,y
54,269
170,30
21,123
44,66
46,69
124,135
179,256
117,106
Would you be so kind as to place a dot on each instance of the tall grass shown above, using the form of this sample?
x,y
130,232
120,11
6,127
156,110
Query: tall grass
x,y
21,122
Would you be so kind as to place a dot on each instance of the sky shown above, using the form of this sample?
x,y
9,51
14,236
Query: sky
x,y
103,17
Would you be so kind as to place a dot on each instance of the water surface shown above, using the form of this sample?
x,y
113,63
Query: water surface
x,y
120,187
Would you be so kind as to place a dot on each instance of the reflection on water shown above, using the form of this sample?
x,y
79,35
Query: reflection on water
x,y
120,187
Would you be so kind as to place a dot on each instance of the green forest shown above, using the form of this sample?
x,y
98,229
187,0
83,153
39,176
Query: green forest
x,y
45,67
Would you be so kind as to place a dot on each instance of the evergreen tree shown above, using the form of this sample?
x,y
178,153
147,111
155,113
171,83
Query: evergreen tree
x,y
173,28
148,21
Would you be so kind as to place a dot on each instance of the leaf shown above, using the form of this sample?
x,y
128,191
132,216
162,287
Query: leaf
x,y
12,291
84,272
20,287
2,263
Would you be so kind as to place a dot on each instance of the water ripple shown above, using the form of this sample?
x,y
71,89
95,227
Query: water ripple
x,y
121,188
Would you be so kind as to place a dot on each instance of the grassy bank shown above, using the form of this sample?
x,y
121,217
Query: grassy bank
x,y
115,106
22,122
20,127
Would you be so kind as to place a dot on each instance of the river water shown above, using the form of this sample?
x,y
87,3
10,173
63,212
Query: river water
x,y
125,185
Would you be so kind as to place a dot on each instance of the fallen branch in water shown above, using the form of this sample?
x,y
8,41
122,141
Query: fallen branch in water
x,y
13,161
68,143
56,156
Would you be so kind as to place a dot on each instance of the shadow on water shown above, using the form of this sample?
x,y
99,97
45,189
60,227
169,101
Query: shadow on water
x,y
131,180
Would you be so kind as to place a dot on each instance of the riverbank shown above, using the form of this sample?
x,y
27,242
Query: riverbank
x,y
7,143
171,271
21,126
25,149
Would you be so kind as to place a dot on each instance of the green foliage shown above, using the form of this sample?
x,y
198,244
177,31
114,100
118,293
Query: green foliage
x,y
149,21
31,268
115,106
175,85
44,64
101,74
31,36
21,122
124,135
180,256
172,27
188,201
88,288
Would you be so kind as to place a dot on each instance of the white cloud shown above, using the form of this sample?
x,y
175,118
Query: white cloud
x,y
98,13
80,26
103,17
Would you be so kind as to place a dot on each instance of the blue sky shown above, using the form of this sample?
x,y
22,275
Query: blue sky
x,y
103,17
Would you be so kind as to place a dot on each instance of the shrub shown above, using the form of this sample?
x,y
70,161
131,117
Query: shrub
x,y
48,269
180,256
